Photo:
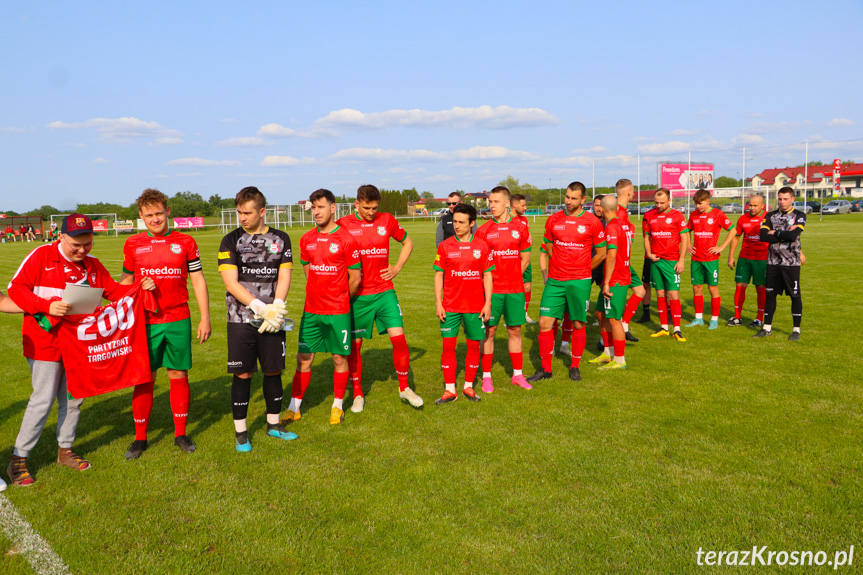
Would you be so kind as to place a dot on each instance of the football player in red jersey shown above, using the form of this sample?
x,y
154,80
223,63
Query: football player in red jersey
x,y
331,262
752,264
170,258
376,303
463,292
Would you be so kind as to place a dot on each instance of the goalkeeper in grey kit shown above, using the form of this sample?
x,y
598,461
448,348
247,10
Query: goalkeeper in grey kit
x,y
255,263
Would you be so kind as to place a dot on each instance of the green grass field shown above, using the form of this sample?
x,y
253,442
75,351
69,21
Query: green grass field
x,y
721,443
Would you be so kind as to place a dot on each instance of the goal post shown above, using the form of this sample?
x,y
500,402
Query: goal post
x,y
101,222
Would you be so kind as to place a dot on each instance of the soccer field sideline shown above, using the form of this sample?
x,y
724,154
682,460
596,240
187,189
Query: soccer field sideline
x,y
823,319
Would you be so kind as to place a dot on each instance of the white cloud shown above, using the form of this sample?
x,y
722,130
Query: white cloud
x,y
492,153
439,178
201,162
593,150
14,130
379,154
748,140
664,148
776,127
279,131
120,129
841,122
680,132
168,141
285,161
100,161
247,142
483,117
752,113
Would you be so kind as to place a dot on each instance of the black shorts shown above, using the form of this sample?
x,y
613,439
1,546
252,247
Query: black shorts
x,y
246,346
645,273
783,279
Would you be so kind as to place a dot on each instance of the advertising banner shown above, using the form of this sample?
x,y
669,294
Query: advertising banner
x,y
837,177
100,225
124,225
188,222
685,179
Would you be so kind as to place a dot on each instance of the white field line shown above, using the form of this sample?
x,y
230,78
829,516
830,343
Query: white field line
x,y
36,550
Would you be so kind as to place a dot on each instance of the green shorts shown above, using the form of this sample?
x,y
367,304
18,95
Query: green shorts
x,y
474,327
571,296
634,279
747,269
527,276
705,273
10,236
663,277
613,307
510,307
328,333
381,309
170,345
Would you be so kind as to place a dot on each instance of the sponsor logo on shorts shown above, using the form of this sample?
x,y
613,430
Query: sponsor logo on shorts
x,y
235,364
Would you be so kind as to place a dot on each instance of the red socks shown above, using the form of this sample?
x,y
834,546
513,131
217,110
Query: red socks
x,y
486,359
546,348
762,299
515,358
340,383
619,347
579,341
698,302
179,404
567,330
447,360
675,312
526,300
631,307
662,306
715,306
142,405
401,359
355,367
739,298
606,338
471,363
300,384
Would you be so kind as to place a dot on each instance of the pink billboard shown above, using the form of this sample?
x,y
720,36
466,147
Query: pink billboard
x,y
188,222
685,179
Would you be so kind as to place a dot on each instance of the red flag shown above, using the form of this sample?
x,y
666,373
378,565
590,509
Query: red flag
x,y
107,350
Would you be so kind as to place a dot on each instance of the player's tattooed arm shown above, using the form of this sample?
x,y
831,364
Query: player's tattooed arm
x,y
438,295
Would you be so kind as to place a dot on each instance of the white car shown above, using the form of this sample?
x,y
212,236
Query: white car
x,y
803,207
837,207
440,211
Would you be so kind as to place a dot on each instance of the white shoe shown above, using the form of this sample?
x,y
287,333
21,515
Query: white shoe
x,y
530,321
358,404
2,485
412,397
564,349
595,323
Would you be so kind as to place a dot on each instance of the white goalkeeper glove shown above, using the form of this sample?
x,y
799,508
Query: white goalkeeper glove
x,y
272,315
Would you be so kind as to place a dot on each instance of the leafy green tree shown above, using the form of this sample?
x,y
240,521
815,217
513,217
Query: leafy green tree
x,y
726,182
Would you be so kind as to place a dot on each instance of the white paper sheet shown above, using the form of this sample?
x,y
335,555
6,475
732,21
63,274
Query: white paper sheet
x,y
84,299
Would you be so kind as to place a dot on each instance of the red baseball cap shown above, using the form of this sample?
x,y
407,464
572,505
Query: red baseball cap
x,y
76,224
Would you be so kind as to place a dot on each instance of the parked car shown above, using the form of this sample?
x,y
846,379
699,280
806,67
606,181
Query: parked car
x,y
553,208
838,207
857,205
805,208
816,206
732,209
440,211
632,209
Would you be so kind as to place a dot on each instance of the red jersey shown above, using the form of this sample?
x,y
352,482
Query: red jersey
x,y
706,229
572,238
664,230
750,227
522,219
326,258
168,260
463,264
373,239
507,241
616,237
43,275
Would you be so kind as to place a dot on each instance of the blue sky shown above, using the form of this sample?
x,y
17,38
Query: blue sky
x,y
101,100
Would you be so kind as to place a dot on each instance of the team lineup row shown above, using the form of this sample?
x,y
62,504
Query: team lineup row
x,y
481,277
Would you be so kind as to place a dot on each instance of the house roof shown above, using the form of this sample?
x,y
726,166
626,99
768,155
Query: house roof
x,y
769,176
